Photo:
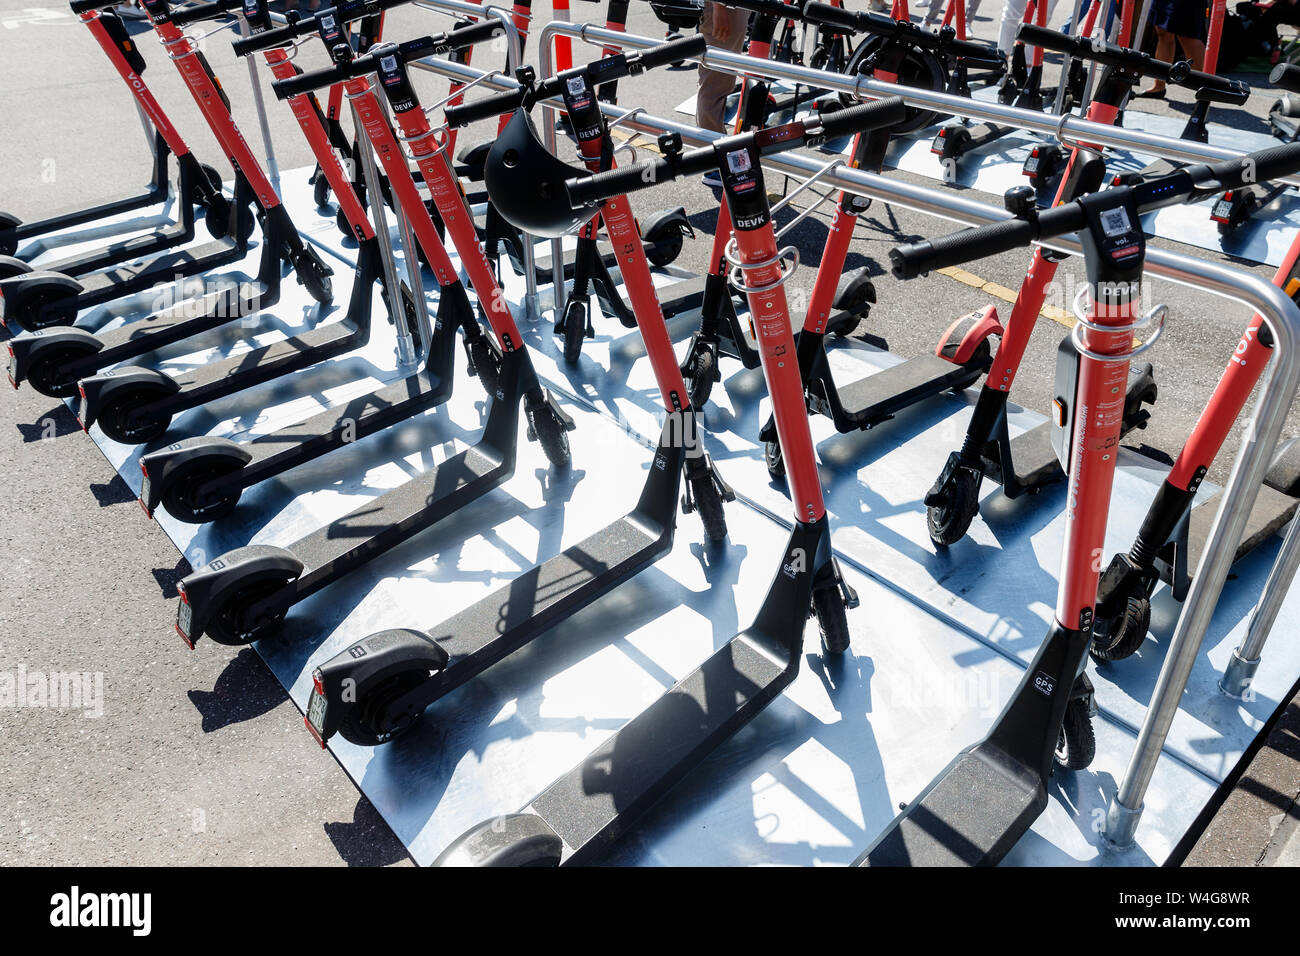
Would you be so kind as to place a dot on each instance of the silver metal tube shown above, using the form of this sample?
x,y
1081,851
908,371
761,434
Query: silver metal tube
x,y
272,167
1245,659
1068,128
514,53
551,115
370,173
406,351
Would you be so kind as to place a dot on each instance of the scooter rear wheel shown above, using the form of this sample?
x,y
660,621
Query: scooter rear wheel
x,y
949,522
180,496
230,625
663,250
119,424
1124,635
360,721
1077,744
48,376
832,621
320,189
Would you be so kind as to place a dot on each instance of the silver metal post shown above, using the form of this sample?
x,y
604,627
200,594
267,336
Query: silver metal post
x,y
1077,21
546,68
272,167
406,353
1245,659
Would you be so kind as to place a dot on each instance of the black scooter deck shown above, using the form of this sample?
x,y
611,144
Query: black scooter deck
x,y
129,278
881,395
940,828
1034,457
1272,510
636,766
543,596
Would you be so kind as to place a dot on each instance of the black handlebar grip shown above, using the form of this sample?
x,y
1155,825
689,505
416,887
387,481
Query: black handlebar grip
x,y
204,11
585,190
766,8
473,33
269,39
827,15
910,260
306,82
85,6
1286,77
1232,91
1260,167
683,49
489,106
857,119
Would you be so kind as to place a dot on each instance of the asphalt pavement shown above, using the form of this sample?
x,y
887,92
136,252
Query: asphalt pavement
x,y
200,757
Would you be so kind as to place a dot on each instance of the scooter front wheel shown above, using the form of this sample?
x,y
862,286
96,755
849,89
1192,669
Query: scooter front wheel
x,y
575,330
772,458
832,621
702,375
708,503
1120,638
1077,744
552,435
948,522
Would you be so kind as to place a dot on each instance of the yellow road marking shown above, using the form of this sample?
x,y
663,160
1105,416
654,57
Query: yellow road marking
x,y
1059,316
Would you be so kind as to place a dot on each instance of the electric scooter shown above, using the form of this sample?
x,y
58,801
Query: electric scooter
x,y
1236,206
953,142
136,406
201,479
595,803
55,360
38,299
988,797
1172,536
1027,463
379,687
200,184
243,595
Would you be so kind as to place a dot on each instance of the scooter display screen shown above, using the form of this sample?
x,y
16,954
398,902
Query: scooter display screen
x,y
316,710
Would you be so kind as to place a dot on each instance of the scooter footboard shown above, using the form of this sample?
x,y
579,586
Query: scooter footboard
x,y
938,828
592,804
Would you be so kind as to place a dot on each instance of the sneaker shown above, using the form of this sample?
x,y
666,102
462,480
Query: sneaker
x,y
129,11
713,179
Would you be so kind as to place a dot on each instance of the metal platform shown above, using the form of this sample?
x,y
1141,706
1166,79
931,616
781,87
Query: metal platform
x,y
996,168
939,641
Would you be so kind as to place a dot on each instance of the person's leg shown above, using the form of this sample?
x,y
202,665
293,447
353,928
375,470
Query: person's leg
x,y
1165,43
1013,14
1194,50
721,27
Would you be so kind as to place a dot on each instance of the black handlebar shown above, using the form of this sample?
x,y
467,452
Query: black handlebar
x,y
589,189
776,9
343,13
1109,54
85,6
944,42
416,49
1183,185
1286,77
205,11
597,72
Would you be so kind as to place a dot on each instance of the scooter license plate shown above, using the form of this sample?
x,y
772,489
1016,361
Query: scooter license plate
x,y
13,370
184,618
145,487
1222,209
316,711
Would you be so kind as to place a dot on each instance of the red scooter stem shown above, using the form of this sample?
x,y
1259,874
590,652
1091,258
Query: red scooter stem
x,y
620,227
136,84
1019,325
207,94
1098,420
371,116
431,157
309,121
770,314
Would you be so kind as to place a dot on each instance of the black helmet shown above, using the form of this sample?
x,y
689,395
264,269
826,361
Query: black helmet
x,y
526,182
